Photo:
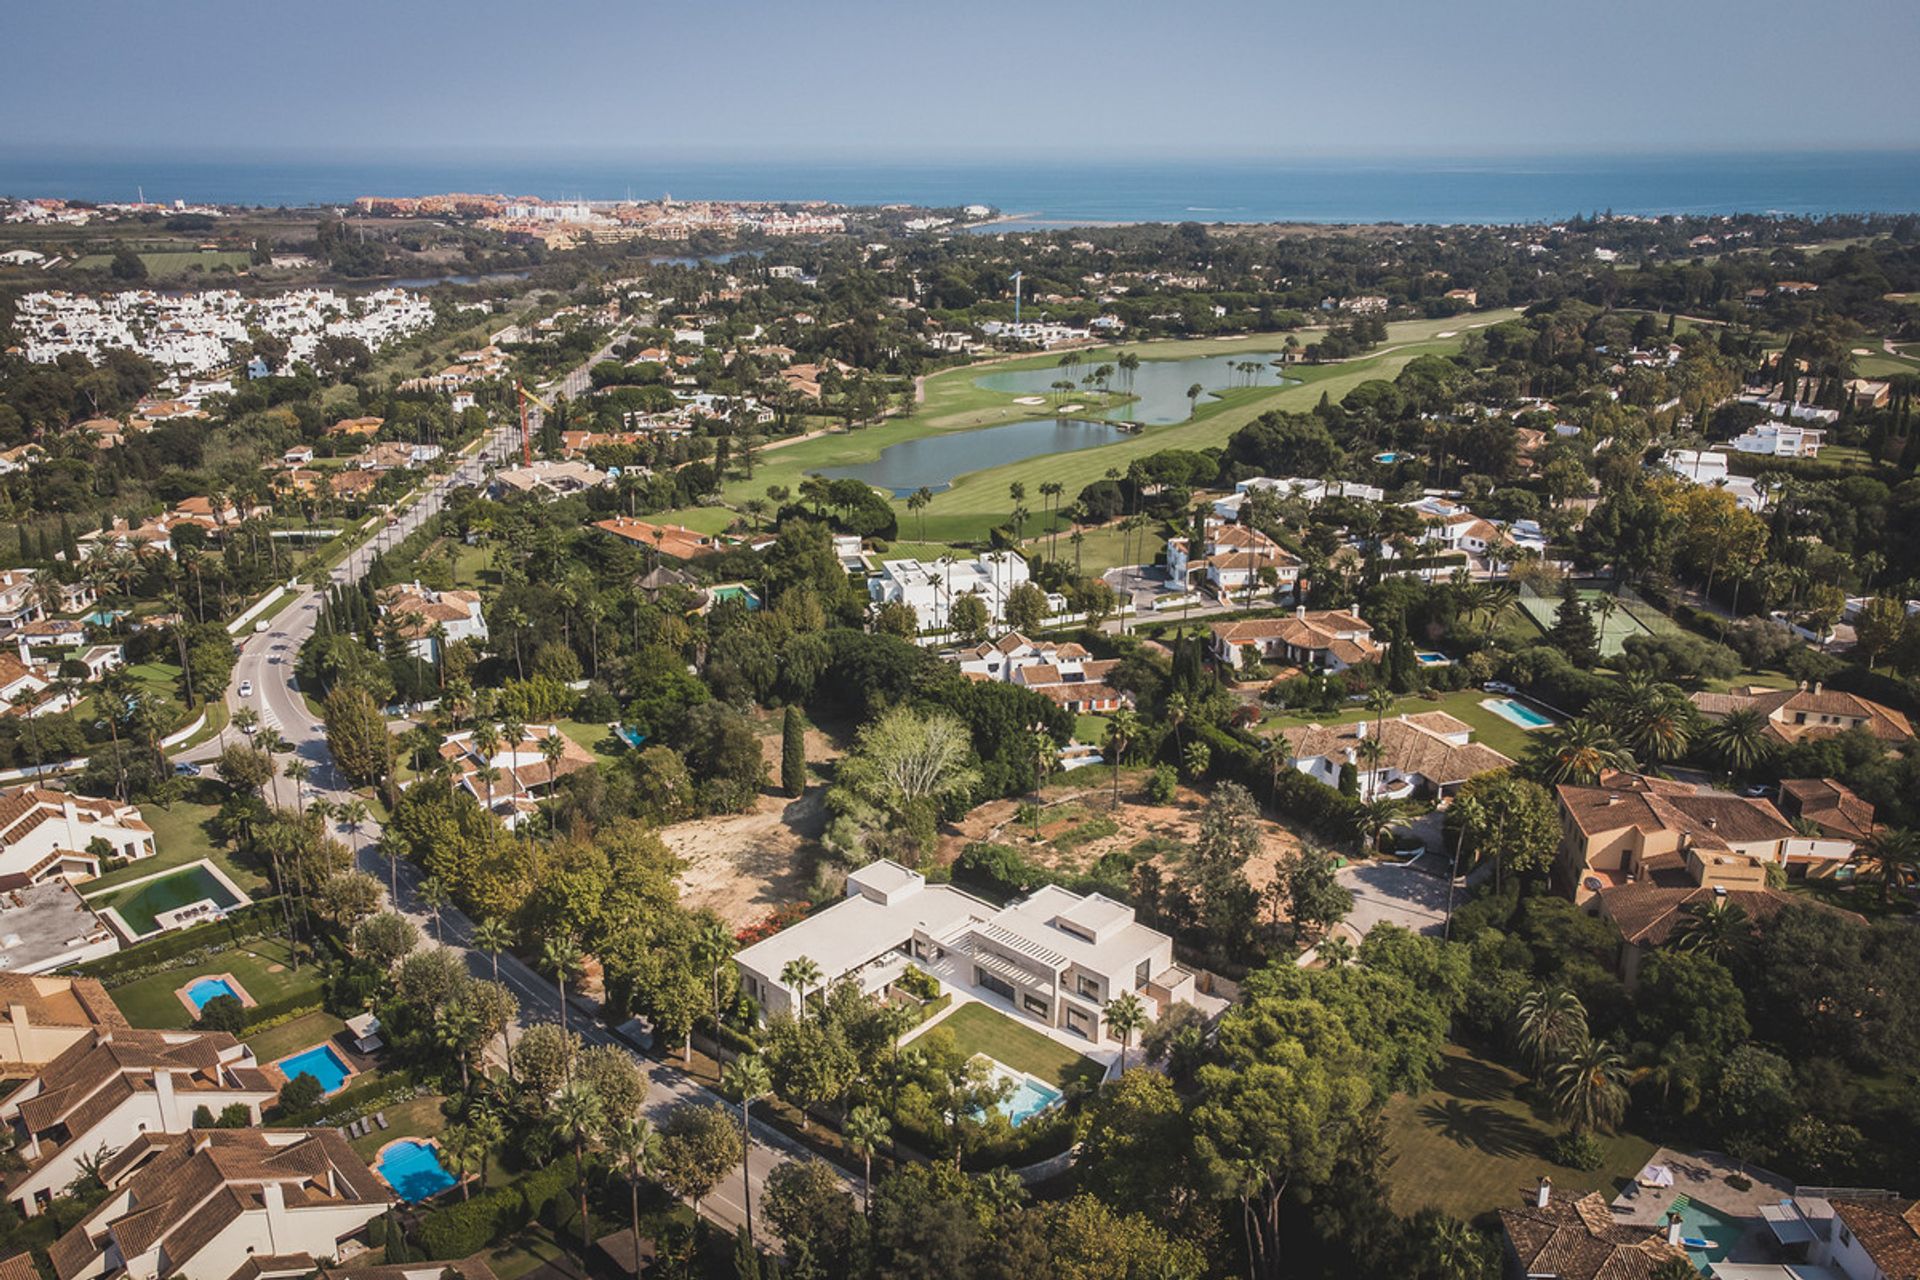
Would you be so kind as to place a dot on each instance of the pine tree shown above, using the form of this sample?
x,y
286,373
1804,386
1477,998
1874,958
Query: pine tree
x,y
1573,629
793,754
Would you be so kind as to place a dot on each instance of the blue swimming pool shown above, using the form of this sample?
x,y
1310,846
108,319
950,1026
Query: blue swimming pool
x,y
1431,659
1028,1099
1386,457
205,989
630,735
413,1169
1518,712
320,1062
1707,1233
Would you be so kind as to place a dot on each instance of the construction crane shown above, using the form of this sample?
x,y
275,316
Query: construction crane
x,y
526,447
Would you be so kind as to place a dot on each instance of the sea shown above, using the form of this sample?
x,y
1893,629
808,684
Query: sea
x,y
1529,189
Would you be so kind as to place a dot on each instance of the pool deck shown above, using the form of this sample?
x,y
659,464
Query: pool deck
x,y
233,984
113,917
356,1063
1702,1178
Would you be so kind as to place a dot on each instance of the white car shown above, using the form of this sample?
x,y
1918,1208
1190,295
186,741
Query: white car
x,y
246,688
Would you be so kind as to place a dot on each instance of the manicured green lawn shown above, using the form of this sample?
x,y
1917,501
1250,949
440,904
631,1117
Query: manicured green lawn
x,y
1472,1144
1090,729
596,738
181,835
288,1038
263,966
977,1029
1501,734
415,1118
978,501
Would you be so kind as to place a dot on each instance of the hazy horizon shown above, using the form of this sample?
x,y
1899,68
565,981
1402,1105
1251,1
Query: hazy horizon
x,y
733,81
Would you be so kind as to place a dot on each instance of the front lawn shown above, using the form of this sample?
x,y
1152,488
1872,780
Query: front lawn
x,y
978,1029
290,1038
181,834
1474,1143
1504,736
596,738
414,1118
263,966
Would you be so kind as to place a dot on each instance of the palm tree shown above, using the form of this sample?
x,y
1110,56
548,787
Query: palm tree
x,y
747,1079
453,1029
1276,753
1715,928
1898,852
1126,1017
800,973
1590,1085
1549,1021
712,947
1578,752
1194,393
553,748
1123,729
434,896
561,957
1374,818
577,1118
866,1128
1656,717
493,935
463,1149
1739,739
635,1148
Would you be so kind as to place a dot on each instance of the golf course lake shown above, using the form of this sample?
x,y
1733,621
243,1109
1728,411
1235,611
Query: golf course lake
x,y
1159,385
932,462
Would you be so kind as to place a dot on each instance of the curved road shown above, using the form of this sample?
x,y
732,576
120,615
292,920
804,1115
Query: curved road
x,y
266,665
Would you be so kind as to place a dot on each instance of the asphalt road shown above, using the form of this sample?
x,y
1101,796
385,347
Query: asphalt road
x,y
266,668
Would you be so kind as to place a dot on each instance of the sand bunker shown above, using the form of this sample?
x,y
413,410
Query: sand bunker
x,y
1029,399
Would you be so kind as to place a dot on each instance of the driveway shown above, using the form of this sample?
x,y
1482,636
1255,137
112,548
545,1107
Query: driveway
x,y
1389,893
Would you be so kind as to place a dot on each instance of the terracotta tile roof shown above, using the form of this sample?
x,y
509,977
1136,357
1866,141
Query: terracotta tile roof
x,y
1832,806
1581,1240
1889,1230
1782,707
19,1267
95,1074
1713,820
180,1191
1320,631
1407,746
672,540
1647,913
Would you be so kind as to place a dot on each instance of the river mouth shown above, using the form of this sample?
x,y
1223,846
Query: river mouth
x,y
932,462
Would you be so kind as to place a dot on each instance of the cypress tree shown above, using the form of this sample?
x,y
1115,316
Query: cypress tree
x,y
68,545
793,753
46,547
1573,629
26,547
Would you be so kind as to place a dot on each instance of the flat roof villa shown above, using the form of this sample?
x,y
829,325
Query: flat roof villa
x,y
1054,957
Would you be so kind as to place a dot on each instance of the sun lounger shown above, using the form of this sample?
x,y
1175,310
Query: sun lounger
x,y
380,1118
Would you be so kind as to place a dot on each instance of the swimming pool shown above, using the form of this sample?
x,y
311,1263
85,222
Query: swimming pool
x,y
1028,1097
1518,712
735,592
413,1169
205,989
1386,457
1707,1233
148,905
320,1062
1432,659
630,735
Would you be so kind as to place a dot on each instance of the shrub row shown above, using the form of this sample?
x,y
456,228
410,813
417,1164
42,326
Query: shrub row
x,y
386,1090
188,946
463,1229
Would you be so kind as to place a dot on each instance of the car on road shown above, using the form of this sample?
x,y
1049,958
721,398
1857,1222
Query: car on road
x,y
246,688
274,661
186,770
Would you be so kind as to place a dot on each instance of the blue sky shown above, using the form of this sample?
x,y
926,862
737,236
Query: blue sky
x,y
987,79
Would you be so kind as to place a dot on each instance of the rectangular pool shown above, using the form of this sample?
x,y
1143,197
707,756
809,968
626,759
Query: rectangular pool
x,y
1706,1233
413,1169
141,904
1512,709
1027,1098
320,1062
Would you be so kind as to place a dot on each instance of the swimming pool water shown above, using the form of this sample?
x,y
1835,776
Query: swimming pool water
x,y
1431,659
1702,1222
320,1062
140,905
414,1171
1028,1099
1518,712
205,989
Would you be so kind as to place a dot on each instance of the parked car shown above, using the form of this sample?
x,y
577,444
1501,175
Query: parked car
x,y
1498,686
186,769
246,688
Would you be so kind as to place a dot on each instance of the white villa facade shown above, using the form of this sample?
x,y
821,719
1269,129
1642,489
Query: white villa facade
x,y
109,1089
1780,440
46,833
1054,957
1705,466
931,587
1312,492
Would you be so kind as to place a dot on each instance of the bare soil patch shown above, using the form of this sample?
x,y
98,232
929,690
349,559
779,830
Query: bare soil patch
x,y
744,865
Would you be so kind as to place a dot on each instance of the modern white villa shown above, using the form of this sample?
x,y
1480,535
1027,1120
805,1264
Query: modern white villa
x,y
931,586
1055,957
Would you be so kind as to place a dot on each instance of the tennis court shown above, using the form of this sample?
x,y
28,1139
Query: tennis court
x,y
1615,617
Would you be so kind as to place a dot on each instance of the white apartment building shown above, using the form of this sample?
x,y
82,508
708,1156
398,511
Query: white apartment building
x,y
46,833
19,600
1232,558
1054,957
1312,492
224,1203
112,1087
931,587
1065,673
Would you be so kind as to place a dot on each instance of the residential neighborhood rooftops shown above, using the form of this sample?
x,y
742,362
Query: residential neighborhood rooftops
x,y
1793,714
1831,805
1889,1232
1648,913
1431,744
1581,1240
1712,820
